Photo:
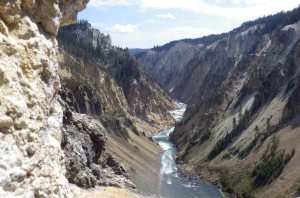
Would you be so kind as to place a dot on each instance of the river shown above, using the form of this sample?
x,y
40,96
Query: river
x,y
171,185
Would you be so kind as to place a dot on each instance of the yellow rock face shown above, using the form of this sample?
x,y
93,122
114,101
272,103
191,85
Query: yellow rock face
x,y
31,160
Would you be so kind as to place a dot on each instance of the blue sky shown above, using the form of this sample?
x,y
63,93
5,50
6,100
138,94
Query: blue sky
x,y
145,23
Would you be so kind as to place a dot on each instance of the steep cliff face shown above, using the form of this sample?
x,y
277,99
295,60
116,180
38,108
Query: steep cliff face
x,y
31,160
106,83
241,90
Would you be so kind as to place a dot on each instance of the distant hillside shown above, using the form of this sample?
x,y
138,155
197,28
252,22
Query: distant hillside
x,y
205,40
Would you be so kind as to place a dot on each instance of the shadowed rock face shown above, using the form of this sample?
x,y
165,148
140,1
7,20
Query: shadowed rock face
x,y
31,160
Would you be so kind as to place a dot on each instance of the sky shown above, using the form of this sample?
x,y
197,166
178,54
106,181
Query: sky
x,y
146,23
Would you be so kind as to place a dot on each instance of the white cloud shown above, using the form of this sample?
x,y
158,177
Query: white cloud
x,y
248,9
235,1
218,1
166,16
131,34
261,2
128,28
150,21
264,2
240,9
160,18
189,32
104,3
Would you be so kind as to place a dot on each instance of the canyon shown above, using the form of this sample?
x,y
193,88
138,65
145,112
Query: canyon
x,y
77,114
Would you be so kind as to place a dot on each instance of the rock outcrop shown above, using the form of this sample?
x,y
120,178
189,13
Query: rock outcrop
x,y
31,159
88,35
88,162
242,88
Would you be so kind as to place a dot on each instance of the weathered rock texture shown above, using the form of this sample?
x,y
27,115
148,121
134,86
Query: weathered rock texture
x,y
88,161
31,159
254,67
